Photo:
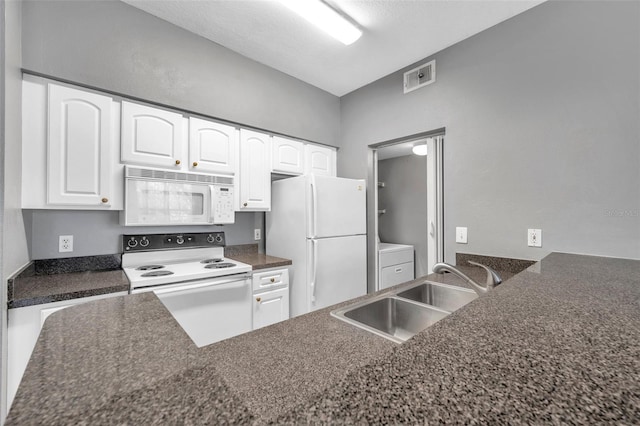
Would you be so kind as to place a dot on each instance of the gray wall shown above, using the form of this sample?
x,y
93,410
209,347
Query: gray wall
x,y
97,233
541,115
404,197
114,46
13,252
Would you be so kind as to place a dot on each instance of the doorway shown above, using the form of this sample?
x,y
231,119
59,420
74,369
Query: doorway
x,y
405,208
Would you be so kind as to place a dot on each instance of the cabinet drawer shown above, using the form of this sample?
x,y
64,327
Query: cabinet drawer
x,y
396,274
396,257
270,279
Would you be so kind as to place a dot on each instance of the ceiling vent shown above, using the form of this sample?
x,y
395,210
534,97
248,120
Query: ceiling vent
x,y
420,76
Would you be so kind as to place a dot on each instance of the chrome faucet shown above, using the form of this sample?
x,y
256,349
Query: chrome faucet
x,y
493,279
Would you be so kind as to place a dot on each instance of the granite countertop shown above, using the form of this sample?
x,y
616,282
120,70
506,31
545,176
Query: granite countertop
x,y
557,343
55,280
248,253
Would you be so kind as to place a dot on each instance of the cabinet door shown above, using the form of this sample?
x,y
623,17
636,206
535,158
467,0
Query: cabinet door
x,y
255,171
288,156
79,155
320,160
212,146
151,136
270,307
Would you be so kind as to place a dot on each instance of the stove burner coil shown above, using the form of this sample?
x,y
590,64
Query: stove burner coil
x,y
156,273
214,260
149,267
220,265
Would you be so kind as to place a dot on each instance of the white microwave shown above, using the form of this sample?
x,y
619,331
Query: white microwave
x,y
161,197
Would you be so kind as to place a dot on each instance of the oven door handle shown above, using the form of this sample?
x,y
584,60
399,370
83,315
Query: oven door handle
x,y
243,280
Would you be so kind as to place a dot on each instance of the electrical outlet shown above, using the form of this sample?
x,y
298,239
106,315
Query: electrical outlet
x,y
461,235
534,237
256,234
65,243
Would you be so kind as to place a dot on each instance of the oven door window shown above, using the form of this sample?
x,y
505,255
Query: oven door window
x,y
165,203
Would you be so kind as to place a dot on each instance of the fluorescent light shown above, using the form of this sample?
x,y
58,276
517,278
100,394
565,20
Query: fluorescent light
x,y
420,149
324,17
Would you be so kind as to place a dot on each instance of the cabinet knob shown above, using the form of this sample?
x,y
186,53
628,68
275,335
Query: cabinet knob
x,y
258,299
177,162
105,200
195,164
273,280
244,205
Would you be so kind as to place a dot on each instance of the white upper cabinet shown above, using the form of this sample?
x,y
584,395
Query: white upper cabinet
x,y
288,156
213,147
79,154
320,160
152,136
255,171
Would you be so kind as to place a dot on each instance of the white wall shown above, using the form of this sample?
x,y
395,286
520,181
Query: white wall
x,y
542,127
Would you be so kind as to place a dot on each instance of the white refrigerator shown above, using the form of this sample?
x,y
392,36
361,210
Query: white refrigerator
x,y
319,222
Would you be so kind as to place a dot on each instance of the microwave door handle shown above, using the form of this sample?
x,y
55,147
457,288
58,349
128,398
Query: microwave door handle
x,y
211,203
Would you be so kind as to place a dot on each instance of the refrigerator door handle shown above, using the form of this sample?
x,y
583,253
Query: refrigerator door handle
x,y
312,210
314,256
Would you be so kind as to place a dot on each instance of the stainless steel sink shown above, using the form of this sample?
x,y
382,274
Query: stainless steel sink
x,y
400,314
390,317
447,297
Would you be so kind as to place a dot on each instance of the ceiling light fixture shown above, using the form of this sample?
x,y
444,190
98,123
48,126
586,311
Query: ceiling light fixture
x,y
326,18
420,149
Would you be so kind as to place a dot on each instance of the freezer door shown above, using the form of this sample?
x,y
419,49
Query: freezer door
x,y
337,206
337,270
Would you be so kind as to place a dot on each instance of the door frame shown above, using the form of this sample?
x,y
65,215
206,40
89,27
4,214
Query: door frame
x,y
435,200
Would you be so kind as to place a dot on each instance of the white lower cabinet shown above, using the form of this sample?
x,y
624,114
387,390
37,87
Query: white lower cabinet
x,y
270,297
23,328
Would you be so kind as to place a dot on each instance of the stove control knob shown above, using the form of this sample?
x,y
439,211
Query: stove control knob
x,y
210,239
180,240
144,242
132,242
218,238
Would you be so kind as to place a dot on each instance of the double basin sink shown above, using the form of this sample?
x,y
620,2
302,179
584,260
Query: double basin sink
x,y
400,314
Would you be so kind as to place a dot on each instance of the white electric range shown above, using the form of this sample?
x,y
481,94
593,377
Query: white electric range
x,y
208,294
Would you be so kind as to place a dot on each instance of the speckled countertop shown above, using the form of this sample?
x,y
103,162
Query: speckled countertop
x,y
557,343
54,280
248,253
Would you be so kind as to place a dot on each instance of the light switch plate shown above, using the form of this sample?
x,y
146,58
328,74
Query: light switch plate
x,y
461,235
534,237
257,234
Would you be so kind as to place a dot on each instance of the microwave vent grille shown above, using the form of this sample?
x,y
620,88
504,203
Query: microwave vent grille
x,y
136,172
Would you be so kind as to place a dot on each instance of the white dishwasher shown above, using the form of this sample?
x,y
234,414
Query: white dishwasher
x,y
210,310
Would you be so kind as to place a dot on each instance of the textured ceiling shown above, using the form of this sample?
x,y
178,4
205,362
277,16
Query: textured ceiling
x,y
396,33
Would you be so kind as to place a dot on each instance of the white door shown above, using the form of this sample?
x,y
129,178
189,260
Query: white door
x,y
210,312
337,270
288,156
80,160
151,136
337,207
212,146
270,307
320,160
255,171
